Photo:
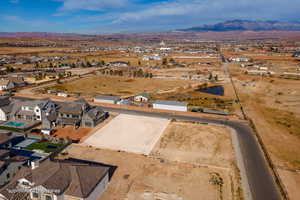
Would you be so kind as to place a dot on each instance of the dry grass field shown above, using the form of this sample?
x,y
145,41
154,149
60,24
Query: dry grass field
x,y
22,50
274,106
119,85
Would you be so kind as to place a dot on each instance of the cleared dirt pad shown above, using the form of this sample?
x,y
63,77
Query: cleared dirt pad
x,y
131,133
138,177
71,132
196,143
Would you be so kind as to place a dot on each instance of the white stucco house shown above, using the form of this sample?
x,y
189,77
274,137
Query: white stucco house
x,y
32,109
144,97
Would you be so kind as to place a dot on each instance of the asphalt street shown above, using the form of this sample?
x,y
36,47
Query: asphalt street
x,y
261,182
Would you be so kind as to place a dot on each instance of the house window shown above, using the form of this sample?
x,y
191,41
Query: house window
x,y
35,195
38,117
25,183
48,197
37,110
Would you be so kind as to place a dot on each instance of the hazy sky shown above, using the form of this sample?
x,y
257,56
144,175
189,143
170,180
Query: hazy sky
x,y
106,16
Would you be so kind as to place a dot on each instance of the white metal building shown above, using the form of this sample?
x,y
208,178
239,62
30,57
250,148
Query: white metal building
x,y
170,105
107,99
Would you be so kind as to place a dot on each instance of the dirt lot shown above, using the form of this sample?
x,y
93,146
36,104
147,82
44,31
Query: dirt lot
x,y
171,176
196,144
274,106
119,85
130,133
70,132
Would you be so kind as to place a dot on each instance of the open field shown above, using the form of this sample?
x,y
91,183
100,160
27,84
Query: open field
x,y
200,99
21,50
119,85
137,134
274,107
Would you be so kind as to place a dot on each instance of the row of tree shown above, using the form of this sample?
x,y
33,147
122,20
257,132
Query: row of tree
x,y
132,73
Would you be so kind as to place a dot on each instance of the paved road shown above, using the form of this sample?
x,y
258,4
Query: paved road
x,y
261,183
259,178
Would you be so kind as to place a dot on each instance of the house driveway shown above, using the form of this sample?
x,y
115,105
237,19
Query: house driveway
x,y
130,133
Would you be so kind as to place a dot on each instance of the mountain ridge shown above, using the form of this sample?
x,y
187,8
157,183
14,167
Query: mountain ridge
x,y
247,25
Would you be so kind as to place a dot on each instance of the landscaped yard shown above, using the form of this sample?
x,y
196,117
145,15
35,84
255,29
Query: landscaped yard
x,y
47,147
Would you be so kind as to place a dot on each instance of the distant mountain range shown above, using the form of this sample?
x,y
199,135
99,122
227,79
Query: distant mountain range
x,y
248,25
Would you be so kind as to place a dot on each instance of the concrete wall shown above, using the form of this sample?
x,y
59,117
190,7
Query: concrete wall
x,y
170,107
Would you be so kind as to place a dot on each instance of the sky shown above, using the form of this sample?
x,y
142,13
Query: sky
x,y
123,16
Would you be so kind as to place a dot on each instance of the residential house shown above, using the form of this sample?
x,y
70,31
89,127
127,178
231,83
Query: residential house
x,y
18,81
5,108
32,110
9,167
6,84
62,180
79,113
144,97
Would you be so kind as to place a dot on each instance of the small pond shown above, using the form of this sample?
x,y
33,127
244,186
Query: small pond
x,y
215,90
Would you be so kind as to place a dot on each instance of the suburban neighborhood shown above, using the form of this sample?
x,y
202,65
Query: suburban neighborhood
x,y
149,100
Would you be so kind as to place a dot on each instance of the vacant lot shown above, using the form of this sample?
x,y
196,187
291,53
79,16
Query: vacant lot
x,y
196,144
70,132
118,85
142,178
274,106
137,134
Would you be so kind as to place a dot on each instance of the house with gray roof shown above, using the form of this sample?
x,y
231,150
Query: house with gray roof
x,y
79,113
32,110
5,108
170,105
6,84
63,180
